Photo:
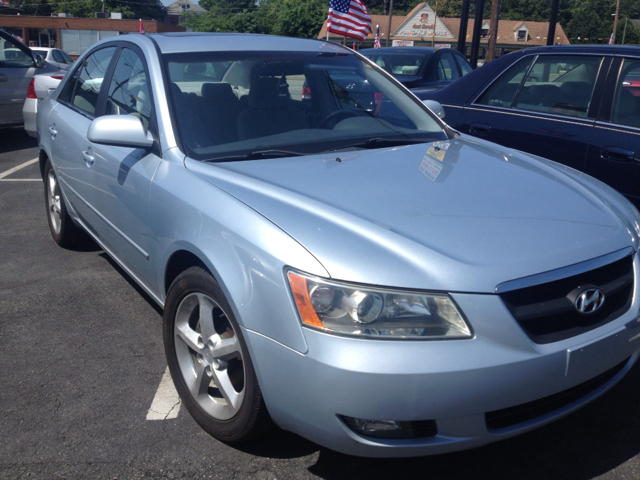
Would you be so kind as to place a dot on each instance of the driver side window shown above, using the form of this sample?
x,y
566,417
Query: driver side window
x,y
12,56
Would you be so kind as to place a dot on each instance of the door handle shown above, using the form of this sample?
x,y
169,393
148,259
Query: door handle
x,y
88,158
3,78
617,154
479,128
53,131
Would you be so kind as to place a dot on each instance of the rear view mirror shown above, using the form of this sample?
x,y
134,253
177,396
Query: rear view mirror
x,y
119,130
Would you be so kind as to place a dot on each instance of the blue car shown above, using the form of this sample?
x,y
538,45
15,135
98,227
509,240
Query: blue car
x,y
420,67
577,105
363,276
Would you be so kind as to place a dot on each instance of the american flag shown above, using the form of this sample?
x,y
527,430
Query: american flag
x,y
376,42
349,18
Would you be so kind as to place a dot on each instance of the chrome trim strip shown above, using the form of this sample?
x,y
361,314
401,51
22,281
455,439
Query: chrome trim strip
x,y
564,272
619,128
587,122
104,219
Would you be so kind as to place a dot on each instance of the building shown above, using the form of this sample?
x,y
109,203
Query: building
x,y
75,35
423,28
177,10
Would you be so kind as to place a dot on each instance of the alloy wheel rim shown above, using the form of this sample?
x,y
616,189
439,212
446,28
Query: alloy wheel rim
x,y
209,356
53,201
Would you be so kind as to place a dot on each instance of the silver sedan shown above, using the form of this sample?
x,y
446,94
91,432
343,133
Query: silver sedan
x,y
337,260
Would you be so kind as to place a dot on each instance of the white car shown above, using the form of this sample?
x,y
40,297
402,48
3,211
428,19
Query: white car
x,y
40,87
54,56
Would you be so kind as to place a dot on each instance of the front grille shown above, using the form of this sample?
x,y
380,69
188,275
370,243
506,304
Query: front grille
x,y
547,312
508,417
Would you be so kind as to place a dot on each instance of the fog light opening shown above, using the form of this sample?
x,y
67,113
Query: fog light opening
x,y
391,429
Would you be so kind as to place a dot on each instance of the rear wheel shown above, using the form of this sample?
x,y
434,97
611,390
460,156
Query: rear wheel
x,y
64,232
209,361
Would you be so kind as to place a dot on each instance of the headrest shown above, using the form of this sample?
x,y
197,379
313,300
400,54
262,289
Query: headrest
x,y
268,92
217,91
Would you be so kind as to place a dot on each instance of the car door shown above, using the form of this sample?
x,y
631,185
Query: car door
x,y
614,148
17,66
67,124
544,104
121,176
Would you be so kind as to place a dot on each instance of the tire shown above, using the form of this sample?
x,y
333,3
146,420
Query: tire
x,y
64,232
209,360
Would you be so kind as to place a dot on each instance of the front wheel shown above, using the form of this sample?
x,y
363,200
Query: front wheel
x,y
209,361
64,232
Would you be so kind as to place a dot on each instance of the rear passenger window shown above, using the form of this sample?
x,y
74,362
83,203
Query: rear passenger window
x,y
447,70
503,91
560,84
626,105
557,84
83,89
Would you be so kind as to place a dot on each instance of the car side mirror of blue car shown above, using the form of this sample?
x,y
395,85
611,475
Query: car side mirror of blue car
x,y
119,130
40,62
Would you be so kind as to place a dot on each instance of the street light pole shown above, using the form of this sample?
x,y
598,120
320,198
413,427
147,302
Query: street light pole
x,y
624,32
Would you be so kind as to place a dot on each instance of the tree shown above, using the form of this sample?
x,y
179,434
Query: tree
x,y
148,9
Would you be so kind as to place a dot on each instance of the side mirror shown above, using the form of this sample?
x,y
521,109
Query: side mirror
x,y
120,131
40,62
435,107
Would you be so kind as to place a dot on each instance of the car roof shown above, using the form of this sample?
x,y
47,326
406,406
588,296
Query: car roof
x,y
601,49
398,50
212,42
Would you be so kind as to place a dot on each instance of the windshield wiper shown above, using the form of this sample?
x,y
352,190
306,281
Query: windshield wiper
x,y
270,153
378,142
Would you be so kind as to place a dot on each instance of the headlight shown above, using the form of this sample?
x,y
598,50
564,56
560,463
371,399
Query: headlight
x,y
371,312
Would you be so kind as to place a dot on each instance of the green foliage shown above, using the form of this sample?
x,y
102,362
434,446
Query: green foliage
x,y
146,9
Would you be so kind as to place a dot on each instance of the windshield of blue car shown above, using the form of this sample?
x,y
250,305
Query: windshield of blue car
x,y
227,104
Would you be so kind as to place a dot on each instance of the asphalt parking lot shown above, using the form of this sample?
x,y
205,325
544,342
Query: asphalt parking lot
x,y
81,383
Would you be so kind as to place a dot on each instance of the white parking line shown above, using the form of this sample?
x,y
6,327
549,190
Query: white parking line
x,y
166,403
21,180
15,169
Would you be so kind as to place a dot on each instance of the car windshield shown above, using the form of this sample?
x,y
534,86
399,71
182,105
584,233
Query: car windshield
x,y
235,105
398,63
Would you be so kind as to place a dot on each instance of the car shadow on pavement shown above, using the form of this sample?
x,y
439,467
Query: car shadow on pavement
x,y
14,139
131,282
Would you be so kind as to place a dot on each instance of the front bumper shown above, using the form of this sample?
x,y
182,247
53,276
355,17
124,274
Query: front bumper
x,y
456,383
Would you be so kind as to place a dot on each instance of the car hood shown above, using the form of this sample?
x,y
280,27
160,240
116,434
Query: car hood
x,y
458,215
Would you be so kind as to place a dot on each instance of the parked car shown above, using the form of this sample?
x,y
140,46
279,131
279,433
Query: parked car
x,y
420,67
577,105
369,279
40,87
17,67
54,56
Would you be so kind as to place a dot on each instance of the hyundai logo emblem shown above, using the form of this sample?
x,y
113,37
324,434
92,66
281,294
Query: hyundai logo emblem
x,y
589,301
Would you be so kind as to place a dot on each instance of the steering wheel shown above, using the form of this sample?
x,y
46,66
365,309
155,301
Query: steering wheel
x,y
336,117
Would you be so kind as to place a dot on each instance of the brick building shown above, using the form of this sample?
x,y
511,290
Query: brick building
x,y
75,35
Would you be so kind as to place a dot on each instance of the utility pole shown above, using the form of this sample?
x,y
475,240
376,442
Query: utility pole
x,y
390,17
615,22
493,30
551,35
435,19
475,40
462,33
624,32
